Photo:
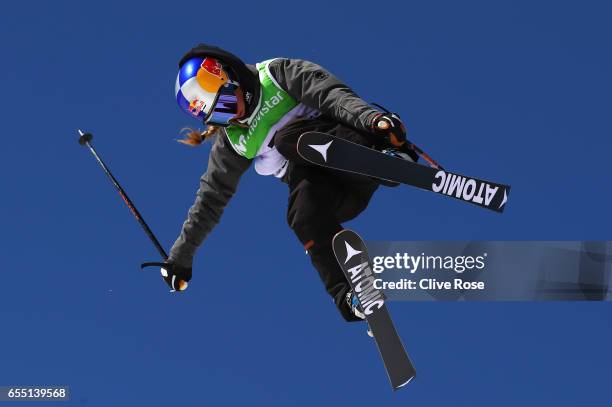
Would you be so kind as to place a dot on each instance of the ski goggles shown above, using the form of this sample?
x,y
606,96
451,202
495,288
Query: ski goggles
x,y
225,106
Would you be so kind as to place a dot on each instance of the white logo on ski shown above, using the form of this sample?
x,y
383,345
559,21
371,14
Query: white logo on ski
x,y
321,148
465,188
350,252
504,200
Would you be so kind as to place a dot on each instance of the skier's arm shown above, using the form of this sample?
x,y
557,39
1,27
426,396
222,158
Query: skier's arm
x,y
217,186
316,87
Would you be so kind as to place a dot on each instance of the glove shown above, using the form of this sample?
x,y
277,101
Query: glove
x,y
176,276
390,125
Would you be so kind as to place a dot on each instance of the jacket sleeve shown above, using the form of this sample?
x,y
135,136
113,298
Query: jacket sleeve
x,y
217,186
315,87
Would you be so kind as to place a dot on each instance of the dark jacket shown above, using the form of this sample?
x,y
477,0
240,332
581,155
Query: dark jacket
x,y
306,82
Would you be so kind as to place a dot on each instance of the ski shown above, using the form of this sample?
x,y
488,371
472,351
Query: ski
x,y
352,255
333,152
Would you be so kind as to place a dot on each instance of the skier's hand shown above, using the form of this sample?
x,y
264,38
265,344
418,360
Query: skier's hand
x,y
390,125
176,276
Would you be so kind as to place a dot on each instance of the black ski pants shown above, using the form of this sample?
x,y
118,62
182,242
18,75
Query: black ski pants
x,y
320,200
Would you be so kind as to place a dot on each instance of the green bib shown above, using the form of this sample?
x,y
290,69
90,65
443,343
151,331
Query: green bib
x,y
274,104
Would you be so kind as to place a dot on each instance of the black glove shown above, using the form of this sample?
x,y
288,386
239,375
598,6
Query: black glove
x,y
391,126
176,276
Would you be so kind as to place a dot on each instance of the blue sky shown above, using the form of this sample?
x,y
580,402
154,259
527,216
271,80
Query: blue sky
x,y
516,92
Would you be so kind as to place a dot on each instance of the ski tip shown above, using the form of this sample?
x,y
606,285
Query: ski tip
x,y
343,231
338,235
399,386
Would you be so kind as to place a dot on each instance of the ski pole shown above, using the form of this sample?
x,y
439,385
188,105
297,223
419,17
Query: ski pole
x,y
423,154
85,140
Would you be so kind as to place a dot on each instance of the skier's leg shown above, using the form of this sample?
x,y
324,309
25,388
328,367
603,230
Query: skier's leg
x,y
286,139
321,199
353,191
312,203
318,201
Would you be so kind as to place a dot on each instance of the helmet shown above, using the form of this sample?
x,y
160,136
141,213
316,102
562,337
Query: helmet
x,y
206,90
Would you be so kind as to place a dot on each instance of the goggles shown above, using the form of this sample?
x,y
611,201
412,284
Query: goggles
x,y
225,106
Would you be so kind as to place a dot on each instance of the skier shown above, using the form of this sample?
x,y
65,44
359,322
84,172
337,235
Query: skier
x,y
259,112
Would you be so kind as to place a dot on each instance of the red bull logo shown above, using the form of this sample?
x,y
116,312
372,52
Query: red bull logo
x,y
211,76
196,106
212,65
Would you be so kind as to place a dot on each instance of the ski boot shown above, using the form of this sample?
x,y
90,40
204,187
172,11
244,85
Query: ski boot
x,y
353,303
